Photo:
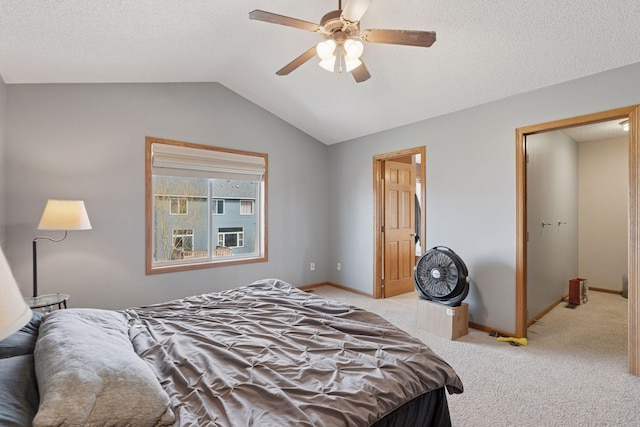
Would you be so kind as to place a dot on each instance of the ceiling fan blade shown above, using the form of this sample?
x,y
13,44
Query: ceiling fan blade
x,y
360,73
261,15
354,10
291,66
404,37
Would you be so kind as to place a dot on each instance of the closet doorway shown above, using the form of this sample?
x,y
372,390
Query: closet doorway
x,y
577,212
628,113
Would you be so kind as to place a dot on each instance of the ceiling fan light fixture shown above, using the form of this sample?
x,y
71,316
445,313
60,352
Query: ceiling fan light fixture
x,y
325,49
342,47
352,64
329,63
625,125
353,49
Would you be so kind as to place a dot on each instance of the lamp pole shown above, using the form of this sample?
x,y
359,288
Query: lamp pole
x,y
35,260
35,269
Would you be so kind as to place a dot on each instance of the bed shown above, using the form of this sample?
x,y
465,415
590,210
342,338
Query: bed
x,y
265,354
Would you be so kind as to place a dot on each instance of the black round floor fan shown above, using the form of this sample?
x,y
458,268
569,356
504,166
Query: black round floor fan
x,y
441,276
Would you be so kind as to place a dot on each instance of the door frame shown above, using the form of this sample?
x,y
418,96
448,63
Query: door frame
x,y
378,209
632,113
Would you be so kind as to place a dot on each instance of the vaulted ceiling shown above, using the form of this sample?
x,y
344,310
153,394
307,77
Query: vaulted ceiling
x,y
485,50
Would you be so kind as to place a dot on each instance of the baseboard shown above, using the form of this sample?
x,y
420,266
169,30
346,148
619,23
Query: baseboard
x,y
608,291
546,310
314,285
344,288
335,285
489,329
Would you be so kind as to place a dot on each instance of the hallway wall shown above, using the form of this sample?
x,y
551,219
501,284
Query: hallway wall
x,y
552,197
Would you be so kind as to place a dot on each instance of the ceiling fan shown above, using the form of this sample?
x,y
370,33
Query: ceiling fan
x,y
342,46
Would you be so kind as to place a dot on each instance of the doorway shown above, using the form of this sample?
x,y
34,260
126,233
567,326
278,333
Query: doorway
x,y
631,114
399,219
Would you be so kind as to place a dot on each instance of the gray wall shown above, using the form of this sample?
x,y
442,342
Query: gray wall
x,y
604,189
470,185
552,197
86,141
83,141
3,127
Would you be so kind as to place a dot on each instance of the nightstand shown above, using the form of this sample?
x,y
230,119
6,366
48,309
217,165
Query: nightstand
x,y
47,301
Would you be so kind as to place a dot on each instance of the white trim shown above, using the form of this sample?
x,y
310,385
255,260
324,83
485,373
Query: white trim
x,y
224,206
251,204
178,198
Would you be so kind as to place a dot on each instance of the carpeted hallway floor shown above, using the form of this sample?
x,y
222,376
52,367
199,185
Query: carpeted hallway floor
x,y
572,373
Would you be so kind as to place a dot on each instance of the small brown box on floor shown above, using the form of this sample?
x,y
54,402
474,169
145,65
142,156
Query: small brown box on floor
x,y
578,291
443,320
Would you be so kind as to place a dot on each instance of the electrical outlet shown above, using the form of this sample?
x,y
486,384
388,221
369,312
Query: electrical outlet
x,y
339,266
312,266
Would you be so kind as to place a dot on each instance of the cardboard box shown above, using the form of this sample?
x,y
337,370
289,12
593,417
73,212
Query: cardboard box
x,y
443,320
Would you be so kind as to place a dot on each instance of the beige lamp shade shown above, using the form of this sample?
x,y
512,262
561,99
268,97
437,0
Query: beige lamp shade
x,y
64,215
14,311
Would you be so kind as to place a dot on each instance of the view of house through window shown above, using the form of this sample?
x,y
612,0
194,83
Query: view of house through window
x,y
231,237
178,206
246,207
183,240
204,210
218,206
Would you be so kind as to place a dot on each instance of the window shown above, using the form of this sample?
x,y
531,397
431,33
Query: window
x,y
178,206
246,207
205,206
183,239
218,207
231,237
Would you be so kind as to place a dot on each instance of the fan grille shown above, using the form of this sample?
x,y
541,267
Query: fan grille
x,y
440,275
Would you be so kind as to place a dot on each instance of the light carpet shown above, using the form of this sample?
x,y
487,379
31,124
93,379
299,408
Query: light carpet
x,y
573,372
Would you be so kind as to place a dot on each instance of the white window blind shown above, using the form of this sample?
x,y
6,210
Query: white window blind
x,y
174,160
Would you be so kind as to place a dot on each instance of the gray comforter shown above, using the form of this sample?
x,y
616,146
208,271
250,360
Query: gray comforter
x,y
269,354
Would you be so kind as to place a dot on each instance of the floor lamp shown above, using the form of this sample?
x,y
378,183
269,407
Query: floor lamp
x,y
59,215
14,312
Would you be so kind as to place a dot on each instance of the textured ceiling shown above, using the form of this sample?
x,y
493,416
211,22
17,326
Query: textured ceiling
x,y
485,50
597,131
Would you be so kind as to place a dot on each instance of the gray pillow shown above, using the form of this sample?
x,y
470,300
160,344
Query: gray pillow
x,y
18,391
23,341
89,374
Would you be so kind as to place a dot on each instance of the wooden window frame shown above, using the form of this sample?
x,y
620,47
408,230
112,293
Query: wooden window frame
x,y
262,253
